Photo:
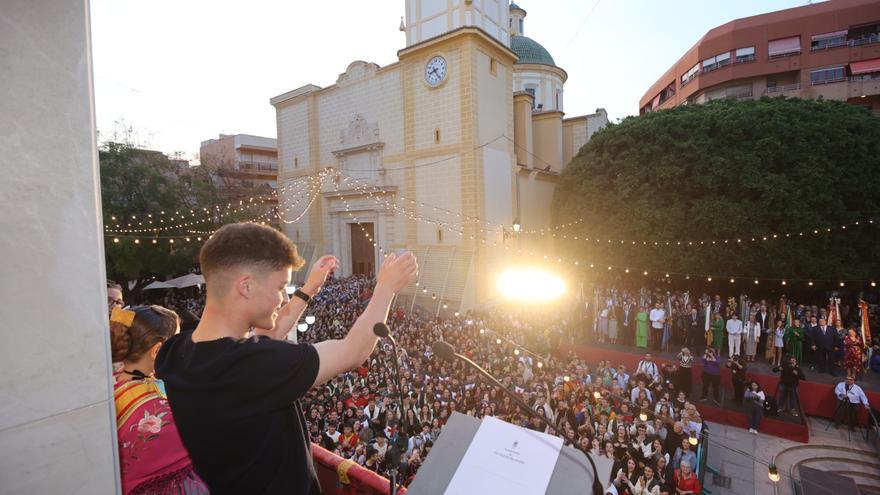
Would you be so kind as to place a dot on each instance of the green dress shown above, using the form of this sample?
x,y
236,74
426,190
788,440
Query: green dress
x,y
718,334
794,342
642,329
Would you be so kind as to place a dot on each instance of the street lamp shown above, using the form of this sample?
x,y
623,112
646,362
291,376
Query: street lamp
x,y
773,473
516,226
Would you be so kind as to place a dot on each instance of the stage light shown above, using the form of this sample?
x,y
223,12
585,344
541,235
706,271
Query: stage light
x,y
693,439
530,285
302,327
497,341
516,226
482,331
516,352
540,364
566,378
597,395
643,417
773,473
310,320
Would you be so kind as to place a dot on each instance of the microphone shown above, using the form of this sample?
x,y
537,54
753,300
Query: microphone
x,y
394,453
447,353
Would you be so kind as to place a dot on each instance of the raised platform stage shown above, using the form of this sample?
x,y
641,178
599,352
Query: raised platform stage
x,y
816,398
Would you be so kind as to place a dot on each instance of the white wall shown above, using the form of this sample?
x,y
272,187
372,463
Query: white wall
x,y
546,85
57,423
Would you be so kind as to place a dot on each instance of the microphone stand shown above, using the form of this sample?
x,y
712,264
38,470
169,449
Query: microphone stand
x,y
447,353
381,330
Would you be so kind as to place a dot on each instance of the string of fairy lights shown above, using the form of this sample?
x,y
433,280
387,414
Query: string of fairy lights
x,y
311,186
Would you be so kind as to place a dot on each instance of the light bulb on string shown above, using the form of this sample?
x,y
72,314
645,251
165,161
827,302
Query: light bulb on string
x,y
516,352
497,341
310,319
302,327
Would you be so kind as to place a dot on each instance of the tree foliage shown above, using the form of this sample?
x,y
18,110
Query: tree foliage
x,y
137,182
728,170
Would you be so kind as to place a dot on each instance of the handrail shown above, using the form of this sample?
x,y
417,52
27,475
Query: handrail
x,y
783,88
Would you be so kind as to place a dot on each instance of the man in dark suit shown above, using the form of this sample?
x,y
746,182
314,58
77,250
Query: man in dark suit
x,y
810,330
694,330
823,347
763,317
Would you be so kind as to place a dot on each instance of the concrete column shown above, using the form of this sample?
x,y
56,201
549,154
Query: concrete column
x,y
57,421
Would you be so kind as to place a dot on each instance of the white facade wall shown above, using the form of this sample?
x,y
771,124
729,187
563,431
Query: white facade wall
x,y
293,137
426,19
546,84
57,418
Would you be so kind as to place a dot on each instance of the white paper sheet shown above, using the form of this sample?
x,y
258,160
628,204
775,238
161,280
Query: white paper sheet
x,y
508,459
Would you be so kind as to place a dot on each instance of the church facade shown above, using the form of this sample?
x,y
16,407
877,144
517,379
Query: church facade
x,y
452,152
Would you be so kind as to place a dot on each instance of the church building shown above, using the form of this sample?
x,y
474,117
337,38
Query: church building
x,y
452,152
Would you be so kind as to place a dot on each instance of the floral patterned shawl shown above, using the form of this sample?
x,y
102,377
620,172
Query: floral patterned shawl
x,y
151,453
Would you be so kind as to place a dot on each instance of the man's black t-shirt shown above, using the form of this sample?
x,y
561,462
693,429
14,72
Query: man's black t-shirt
x,y
236,405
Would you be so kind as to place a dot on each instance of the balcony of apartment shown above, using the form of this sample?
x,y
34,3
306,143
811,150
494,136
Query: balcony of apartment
x,y
258,168
783,84
865,84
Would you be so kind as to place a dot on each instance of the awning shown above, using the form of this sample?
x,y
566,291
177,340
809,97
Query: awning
x,y
825,36
158,285
188,280
784,45
865,66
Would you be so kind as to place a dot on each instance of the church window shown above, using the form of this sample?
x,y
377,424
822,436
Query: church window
x,y
493,66
295,162
531,91
439,236
437,136
521,31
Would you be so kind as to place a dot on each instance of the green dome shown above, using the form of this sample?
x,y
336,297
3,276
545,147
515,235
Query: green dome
x,y
530,51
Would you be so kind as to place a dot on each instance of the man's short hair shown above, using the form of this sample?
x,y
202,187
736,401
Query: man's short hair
x,y
113,285
248,244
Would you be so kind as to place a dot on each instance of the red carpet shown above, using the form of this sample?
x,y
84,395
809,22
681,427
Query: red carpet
x,y
817,399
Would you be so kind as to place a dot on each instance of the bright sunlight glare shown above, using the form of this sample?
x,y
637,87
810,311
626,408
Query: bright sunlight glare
x,y
530,284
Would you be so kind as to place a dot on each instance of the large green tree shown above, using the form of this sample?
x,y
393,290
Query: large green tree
x,y
136,183
727,170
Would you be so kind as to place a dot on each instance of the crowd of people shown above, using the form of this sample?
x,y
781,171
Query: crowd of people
x,y
826,337
644,420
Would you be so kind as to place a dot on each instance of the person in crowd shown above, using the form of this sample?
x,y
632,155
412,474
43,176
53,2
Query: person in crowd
x,y
642,327
853,353
738,368
114,296
648,367
794,340
694,329
849,396
790,375
250,388
658,319
711,376
686,481
646,484
684,453
603,324
717,330
822,346
612,327
151,455
627,476
778,343
751,337
754,399
684,376
734,335
764,320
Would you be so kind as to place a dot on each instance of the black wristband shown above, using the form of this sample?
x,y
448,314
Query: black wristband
x,y
302,295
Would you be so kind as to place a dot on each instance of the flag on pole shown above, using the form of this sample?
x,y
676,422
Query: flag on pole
x,y
866,330
833,311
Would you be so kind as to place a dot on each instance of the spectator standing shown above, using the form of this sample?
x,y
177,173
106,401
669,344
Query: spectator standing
x,y
693,329
718,333
794,340
751,337
684,376
754,398
711,375
686,481
642,327
849,396
823,347
658,318
738,378
853,348
765,321
790,376
778,343
734,335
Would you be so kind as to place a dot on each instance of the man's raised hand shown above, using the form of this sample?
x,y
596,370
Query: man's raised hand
x,y
398,271
318,274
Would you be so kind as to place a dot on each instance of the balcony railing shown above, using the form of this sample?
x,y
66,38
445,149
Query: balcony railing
x,y
716,66
258,166
829,44
867,40
782,89
820,82
743,59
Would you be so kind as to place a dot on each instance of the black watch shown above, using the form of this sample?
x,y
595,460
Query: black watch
x,y
302,295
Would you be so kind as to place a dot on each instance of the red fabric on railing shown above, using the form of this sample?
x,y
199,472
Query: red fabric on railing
x,y
865,66
360,481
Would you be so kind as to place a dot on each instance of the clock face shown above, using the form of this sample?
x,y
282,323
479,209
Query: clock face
x,y
435,71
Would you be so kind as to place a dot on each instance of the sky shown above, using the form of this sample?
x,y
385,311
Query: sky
x,y
170,74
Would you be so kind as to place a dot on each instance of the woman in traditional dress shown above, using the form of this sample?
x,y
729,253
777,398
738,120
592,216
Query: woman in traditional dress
x,y
718,333
603,325
642,327
778,342
794,340
852,354
151,454
752,334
